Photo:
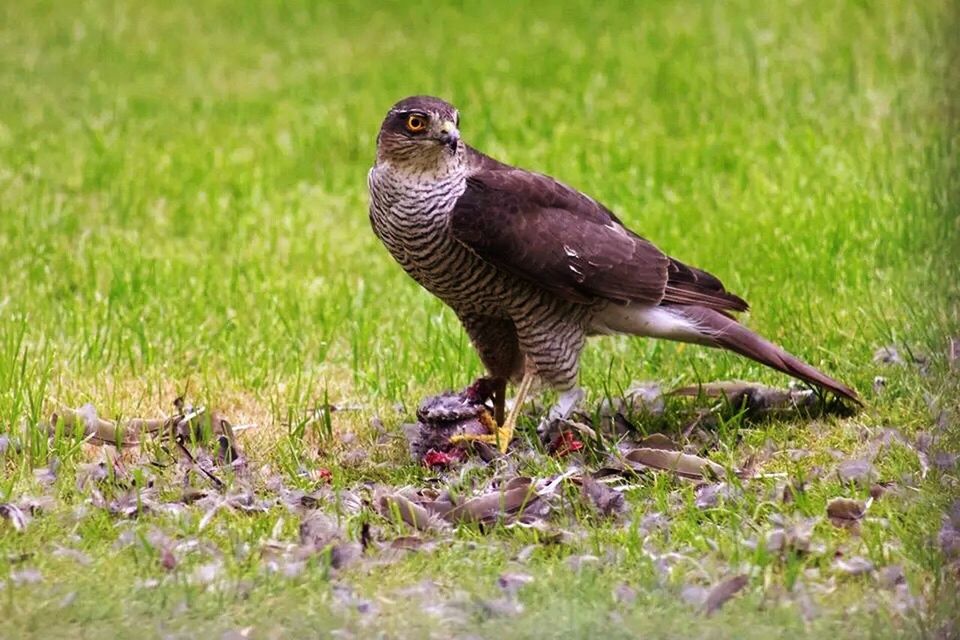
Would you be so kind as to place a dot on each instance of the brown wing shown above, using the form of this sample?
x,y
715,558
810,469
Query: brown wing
x,y
557,238
560,239
689,285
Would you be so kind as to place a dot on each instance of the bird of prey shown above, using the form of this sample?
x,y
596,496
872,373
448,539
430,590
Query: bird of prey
x,y
532,267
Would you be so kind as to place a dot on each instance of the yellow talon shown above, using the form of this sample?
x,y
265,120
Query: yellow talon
x,y
502,435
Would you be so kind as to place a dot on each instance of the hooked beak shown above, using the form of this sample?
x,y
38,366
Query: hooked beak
x,y
449,135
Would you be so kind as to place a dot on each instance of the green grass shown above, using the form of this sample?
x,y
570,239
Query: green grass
x,y
183,210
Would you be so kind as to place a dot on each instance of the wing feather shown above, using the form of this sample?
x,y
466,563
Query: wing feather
x,y
560,239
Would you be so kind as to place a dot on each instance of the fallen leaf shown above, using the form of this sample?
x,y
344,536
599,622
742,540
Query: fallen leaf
x,y
399,509
792,536
497,505
845,512
710,495
578,562
854,566
26,576
605,500
722,592
860,471
510,583
658,441
890,576
624,594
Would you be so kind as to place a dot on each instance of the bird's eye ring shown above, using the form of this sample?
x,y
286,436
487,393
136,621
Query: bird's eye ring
x,y
416,124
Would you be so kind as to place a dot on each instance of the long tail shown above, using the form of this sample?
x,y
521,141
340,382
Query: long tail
x,y
719,330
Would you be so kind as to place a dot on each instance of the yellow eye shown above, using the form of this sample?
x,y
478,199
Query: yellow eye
x,y
416,124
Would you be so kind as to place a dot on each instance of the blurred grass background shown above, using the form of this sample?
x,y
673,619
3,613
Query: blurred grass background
x,y
183,184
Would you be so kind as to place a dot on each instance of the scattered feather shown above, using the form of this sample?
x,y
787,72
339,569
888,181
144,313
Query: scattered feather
x,y
14,515
658,441
72,554
710,495
683,464
890,576
879,384
888,355
26,576
398,508
624,594
758,400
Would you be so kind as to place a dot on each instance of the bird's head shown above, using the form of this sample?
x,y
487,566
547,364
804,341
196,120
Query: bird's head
x,y
421,132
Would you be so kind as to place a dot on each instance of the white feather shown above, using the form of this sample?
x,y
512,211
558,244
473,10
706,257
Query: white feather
x,y
647,320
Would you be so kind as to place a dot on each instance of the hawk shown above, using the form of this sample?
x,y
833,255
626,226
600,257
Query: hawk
x,y
532,267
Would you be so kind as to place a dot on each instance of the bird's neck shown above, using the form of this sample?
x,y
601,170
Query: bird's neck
x,y
424,168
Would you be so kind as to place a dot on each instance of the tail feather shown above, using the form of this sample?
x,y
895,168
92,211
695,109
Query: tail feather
x,y
719,330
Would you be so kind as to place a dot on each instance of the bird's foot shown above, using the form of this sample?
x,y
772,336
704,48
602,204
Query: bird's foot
x,y
500,438
488,388
501,435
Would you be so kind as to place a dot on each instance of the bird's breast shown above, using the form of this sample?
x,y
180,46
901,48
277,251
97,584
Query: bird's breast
x,y
412,222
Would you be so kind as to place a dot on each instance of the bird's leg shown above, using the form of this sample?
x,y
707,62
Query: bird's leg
x,y
503,434
505,431
499,400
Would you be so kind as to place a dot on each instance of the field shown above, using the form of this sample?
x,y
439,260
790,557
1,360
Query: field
x,y
183,212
